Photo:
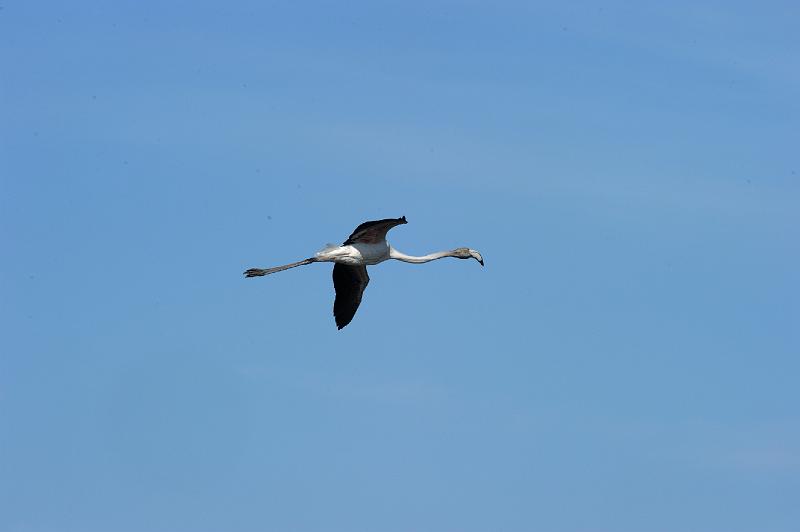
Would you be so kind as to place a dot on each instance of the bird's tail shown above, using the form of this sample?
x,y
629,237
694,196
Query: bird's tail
x,y
258,272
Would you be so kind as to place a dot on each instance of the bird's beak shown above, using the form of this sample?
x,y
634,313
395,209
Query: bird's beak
x,y
476,255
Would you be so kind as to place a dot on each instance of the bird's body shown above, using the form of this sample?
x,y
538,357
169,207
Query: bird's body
x,y
357,254
366,246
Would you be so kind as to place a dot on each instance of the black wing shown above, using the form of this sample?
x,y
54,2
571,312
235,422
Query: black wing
x,y
374,232
349,282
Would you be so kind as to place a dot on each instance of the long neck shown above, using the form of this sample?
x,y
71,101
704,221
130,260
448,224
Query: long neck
x,y
394,254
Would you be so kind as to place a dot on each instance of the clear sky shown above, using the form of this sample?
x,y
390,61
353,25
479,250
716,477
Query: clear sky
x,y
627,361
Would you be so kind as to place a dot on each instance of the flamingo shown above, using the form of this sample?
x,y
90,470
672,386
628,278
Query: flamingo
x,y
366,246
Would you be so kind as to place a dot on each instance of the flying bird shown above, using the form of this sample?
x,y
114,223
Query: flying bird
x,y
367,246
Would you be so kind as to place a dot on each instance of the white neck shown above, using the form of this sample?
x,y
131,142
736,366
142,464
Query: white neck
x,y
394,254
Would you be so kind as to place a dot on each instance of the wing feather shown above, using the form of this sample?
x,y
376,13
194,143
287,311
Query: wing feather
x,y
374,232
349,283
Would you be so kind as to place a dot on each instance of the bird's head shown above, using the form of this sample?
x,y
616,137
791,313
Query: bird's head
x,y
466,253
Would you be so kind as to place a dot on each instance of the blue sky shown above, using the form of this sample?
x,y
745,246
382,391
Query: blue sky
x,y
626,361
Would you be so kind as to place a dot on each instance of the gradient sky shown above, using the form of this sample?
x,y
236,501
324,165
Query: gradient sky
x,y
627,361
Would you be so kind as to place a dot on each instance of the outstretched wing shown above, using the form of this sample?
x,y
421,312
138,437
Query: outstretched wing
x,y
373,232
349,282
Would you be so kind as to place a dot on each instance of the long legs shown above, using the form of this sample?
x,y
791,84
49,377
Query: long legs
x,y
257,272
